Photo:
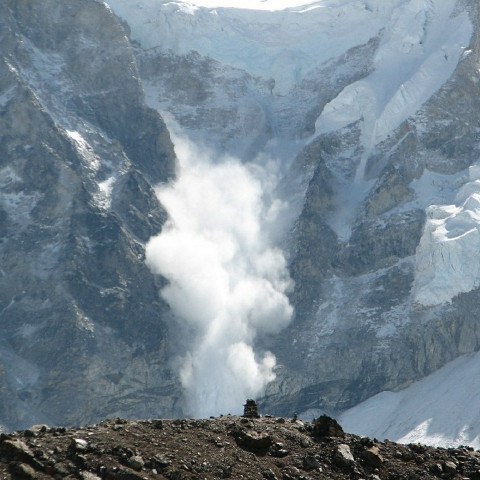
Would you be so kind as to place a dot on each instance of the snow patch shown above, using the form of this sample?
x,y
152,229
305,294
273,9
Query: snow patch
x,y
8,177
84,149
104,196
18,205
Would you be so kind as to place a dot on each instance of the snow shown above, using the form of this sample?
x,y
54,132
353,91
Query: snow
x,y
286,39
8,177
421,43
271,5
281,44
18,205
440,410
84,149
447,261
103,195
419,52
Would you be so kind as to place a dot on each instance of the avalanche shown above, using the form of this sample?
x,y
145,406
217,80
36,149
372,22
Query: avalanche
x,y
420,43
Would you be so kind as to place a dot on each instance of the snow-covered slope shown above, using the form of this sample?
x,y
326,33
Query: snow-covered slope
x,y
441,409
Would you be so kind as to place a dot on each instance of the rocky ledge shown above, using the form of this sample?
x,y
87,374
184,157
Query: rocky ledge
x,y
223,447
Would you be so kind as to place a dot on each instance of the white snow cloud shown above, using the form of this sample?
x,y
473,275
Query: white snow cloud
x,y
226,280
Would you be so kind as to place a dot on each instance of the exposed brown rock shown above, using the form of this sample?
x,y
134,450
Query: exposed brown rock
x,y
327,427
372,457
225,447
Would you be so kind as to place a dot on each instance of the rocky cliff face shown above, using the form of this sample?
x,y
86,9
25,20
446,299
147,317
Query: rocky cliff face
x,y
83,329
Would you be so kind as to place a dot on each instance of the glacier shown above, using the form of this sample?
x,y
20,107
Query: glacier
x,y
284,44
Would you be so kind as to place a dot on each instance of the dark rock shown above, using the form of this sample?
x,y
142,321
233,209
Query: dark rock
x,y
372,457
450,467
79,445
269,474
89,476
417,447
22,471
278,450
291,473
136,462
123,474
310,462
187,453
257,441
63,469
158,424
325,426
79,261
160,461
18,450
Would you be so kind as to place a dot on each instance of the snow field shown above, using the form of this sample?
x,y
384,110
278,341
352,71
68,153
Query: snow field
x,y
439,410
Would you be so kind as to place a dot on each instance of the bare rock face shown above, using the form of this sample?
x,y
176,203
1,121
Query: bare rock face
x,y
82,325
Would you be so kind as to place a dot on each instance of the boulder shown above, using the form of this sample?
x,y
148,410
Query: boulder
x,y
372,457
325,426
343,456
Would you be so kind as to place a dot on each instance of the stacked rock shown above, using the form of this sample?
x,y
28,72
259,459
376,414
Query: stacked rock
x,y
250,409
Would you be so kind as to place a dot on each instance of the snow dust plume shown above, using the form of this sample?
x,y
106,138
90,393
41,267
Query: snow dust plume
x,y
226,281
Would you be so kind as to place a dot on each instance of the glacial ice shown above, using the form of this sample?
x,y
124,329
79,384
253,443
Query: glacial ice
x,y
419,51
283,44
447,260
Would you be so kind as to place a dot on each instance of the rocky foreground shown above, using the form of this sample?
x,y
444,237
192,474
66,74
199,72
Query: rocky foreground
x,y
224,447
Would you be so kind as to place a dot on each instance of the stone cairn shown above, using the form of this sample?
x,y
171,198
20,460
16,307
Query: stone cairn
x,y
250,409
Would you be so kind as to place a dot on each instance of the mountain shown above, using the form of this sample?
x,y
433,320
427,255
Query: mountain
x,y
310,239
81,317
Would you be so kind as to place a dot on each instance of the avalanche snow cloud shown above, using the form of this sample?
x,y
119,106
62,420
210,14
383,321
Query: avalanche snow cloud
x,y
226,281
